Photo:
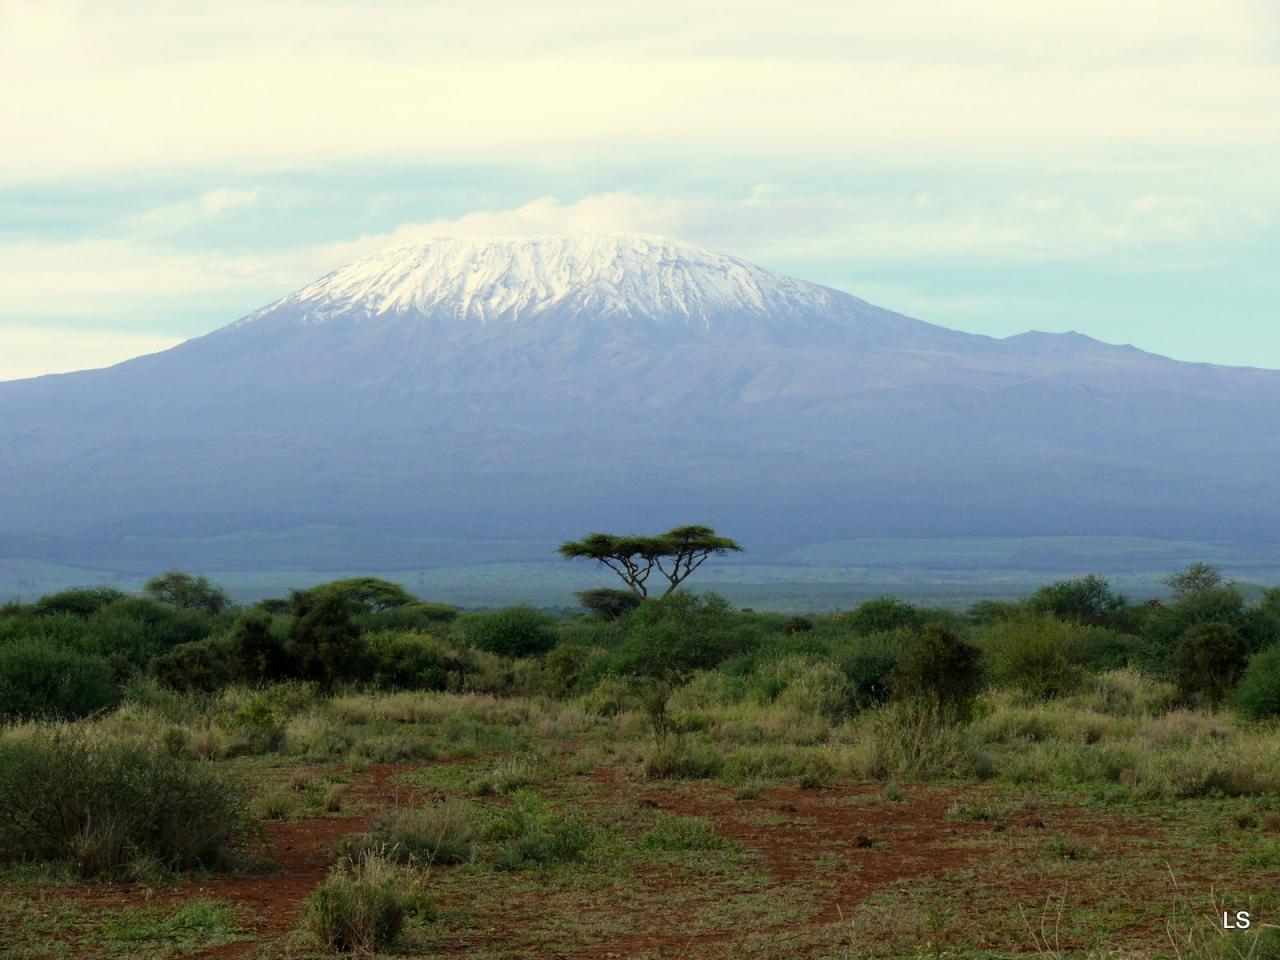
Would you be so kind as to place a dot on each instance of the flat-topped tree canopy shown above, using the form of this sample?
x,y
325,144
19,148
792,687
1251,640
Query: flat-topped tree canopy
x,y
674,554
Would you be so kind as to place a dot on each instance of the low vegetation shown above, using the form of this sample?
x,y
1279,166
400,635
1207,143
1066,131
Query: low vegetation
x,y
480,756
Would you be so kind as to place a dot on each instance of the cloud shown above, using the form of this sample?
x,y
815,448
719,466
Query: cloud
x,y
85,276
31,351
207,206
272,85
1019,227
110,277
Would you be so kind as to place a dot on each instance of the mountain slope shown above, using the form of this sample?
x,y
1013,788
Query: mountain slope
x,y
536,387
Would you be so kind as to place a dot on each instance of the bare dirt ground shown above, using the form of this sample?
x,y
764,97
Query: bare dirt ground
x,y
822,852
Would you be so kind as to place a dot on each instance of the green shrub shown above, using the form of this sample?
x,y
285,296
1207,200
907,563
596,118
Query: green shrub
x,y
104,805
1258,696
365,594
361,908
411,661
882,615
793,625
40,680
80,602
193,667
1165,628
257,721
326,641
509,774
1086,600
984,612
668,639
57,629
820,689
1102,648
510,632
564,666
671,833
869,660
913,741
1034,654
136,629
1210,658
608,602
257,650
678,758
186,592
440,833
408,618
529,834
942,672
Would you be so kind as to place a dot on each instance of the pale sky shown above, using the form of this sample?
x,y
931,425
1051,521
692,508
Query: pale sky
x,y
994,165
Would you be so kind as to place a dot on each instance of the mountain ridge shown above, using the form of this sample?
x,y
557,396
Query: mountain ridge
x,y
391,395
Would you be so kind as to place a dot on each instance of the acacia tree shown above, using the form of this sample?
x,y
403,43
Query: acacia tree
x,y
186,592
674,555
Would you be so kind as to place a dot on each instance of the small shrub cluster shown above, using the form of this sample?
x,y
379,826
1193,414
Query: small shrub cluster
x,y
103,806
671,833
1258,697
530,834
362,907
421,836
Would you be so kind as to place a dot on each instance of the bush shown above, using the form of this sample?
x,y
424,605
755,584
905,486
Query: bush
x,y
993,611
1210,658
793,625
1165,628
882,615
256,650
1086,600
423,835
608,602
409,618
39,680
564,666
1258,696
186,592
411,661
942,672
817,689
912,741
1102,648
1034,654
869,661
671,833
511,632
677,758
531,835
361,908
326,641
367,594
104,805
80,602
668,639
136,630
193,667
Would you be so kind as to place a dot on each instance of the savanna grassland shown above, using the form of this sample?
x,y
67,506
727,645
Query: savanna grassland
x,y
351,770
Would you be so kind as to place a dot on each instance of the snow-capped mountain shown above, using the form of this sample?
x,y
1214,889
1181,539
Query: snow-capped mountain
x,y
619,282
539,387
614,277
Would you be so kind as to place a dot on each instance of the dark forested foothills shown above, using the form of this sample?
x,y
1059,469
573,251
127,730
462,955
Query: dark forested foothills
x,y
353,769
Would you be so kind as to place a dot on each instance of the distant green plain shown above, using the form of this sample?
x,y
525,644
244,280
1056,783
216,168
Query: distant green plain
x,y
811,578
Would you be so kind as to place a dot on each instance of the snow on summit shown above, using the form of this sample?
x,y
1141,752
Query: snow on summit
x,y
509,279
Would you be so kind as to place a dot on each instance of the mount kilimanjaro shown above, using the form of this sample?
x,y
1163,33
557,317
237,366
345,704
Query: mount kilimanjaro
x,y
537,387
